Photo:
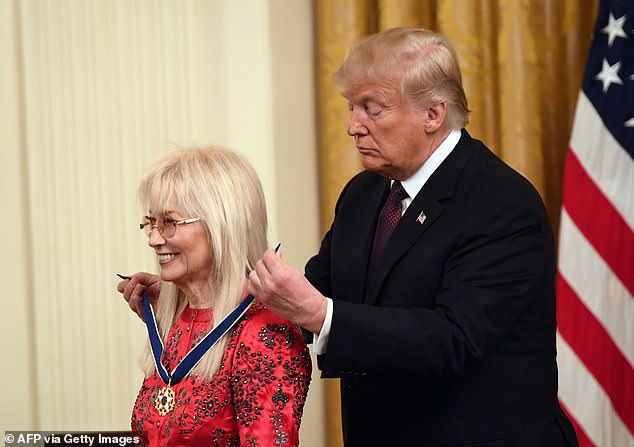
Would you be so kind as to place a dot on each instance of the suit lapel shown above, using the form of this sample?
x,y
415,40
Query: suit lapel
x,y
423,212
361,242
409,229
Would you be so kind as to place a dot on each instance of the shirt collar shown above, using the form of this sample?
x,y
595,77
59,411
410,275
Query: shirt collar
x,y
414,184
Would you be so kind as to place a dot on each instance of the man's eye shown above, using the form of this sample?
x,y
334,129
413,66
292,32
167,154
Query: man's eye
x,y
168,221
374,109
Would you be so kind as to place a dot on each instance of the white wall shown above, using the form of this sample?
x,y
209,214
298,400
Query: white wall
x,y
90,93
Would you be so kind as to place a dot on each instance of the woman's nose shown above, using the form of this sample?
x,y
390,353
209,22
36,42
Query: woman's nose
x,y
155,238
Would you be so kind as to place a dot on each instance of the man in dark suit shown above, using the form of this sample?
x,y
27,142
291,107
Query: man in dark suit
x,y
432,295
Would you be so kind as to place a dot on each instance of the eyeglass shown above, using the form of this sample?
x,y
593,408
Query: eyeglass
x,y
165,224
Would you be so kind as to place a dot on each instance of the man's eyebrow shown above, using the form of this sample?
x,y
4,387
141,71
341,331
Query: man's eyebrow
x,y
365,97
371,97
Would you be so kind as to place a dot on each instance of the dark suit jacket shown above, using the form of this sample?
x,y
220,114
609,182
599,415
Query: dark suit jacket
x,y
453,341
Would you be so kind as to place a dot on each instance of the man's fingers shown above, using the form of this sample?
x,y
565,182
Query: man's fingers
x,y
278,273
132,290
129,289
272,259
137,293
138,309
263,273
121,285
254,284
136,300
133,294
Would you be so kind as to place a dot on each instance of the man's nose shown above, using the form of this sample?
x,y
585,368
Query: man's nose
x,y
356,124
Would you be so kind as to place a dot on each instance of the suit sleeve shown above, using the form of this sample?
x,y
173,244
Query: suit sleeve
x,y
318,267
495,272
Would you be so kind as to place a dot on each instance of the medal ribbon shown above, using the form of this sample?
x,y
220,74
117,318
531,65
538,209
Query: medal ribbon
x,y
192,358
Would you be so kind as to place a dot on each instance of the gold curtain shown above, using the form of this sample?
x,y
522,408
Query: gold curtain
x,y
522,63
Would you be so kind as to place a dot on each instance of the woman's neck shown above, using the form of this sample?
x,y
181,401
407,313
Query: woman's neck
x,y
199,297
199,303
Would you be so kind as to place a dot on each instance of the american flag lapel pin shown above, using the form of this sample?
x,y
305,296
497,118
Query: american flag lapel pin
x,y
421,218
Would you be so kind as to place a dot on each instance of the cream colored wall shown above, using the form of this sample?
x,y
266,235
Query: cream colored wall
x,y
90,93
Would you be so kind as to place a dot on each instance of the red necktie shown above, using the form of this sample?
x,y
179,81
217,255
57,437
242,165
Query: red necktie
x,y
388,219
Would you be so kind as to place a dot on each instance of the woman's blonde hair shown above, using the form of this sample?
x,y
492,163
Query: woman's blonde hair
x,y
220,186
423,62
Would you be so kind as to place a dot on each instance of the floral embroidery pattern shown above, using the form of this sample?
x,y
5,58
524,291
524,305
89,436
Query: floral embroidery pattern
x,y
265,367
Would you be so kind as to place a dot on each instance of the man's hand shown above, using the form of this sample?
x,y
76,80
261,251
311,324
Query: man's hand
x,y
132,290
287,292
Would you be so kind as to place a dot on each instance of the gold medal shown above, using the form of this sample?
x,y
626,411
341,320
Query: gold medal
x,y
165,400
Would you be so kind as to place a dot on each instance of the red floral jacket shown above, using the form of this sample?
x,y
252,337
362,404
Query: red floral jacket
x,y
255,399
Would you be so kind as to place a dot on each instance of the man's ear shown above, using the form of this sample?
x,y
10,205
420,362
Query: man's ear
x,y
436,115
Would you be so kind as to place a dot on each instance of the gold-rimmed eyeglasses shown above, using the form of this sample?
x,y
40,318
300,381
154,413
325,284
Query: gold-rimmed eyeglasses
x,y
165,224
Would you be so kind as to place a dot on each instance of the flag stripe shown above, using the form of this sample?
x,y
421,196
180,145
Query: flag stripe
x,y
594,347
582,436
599,221
589,276
611,168
587,401
595,286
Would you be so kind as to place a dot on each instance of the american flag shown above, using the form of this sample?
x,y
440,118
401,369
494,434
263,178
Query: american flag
x,y
595,288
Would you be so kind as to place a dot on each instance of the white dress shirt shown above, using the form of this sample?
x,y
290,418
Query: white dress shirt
x,y
412,186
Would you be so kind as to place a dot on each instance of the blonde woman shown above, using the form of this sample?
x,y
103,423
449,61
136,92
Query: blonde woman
x,y
206,222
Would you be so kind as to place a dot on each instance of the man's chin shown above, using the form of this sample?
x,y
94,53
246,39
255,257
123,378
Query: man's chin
x,y
375,165
370,162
